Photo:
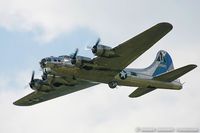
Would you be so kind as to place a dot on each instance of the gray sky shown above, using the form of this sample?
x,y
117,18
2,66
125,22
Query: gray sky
x,y
33,29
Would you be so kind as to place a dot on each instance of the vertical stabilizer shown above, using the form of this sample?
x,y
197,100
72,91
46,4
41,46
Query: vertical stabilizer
x,y
161,64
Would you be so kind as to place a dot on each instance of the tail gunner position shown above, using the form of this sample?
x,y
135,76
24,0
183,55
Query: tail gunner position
x,y
67,74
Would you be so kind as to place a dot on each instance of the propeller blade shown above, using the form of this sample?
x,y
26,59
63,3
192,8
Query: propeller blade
x,y
97,43
73,59
75,54
94,48
32,77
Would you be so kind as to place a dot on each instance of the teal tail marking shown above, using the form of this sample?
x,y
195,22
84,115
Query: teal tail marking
x,y
165,63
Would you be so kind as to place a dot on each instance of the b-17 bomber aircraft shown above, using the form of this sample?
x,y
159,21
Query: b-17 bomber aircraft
x,y
67,74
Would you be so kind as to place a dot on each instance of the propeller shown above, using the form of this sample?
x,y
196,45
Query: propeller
x,y
32,80
33,75
94,48
73,58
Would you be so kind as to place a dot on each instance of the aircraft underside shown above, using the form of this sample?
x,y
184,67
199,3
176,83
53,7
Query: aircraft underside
x,y
122,79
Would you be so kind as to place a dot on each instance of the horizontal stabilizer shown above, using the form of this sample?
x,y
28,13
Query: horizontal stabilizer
x,y
167,77
140,91
174,74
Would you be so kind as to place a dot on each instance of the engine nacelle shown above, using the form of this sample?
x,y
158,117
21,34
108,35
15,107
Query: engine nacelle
x,y
103,51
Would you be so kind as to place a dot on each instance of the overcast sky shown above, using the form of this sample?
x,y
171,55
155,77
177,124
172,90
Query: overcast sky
x,y
33,29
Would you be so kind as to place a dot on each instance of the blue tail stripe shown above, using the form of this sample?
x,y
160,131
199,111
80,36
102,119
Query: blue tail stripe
x,y
165,63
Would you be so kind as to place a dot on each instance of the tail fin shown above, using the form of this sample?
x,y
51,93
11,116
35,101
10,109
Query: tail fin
x,y
161,64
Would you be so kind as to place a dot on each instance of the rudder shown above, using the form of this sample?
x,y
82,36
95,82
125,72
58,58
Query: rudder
x,y
163,63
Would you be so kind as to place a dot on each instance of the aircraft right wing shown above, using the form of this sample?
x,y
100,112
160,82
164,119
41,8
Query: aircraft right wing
x,y
130,50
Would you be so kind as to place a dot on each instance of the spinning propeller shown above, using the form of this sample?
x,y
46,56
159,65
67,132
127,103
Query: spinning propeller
x,y
93,48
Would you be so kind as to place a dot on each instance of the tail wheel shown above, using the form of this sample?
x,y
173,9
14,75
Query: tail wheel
x,y
112,84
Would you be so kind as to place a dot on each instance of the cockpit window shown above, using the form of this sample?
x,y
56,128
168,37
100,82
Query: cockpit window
x,y
63,58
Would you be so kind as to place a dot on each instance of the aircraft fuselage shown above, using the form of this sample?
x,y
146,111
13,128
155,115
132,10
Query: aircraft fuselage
x,y
127,77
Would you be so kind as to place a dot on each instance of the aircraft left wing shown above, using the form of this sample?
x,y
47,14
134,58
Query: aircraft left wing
x,y
130,50
40,96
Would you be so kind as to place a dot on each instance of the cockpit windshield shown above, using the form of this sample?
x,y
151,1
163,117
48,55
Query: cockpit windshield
x,y
64,58
61,59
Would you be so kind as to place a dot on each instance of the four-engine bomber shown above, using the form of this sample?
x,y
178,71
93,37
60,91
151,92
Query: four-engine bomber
x,y
70,73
